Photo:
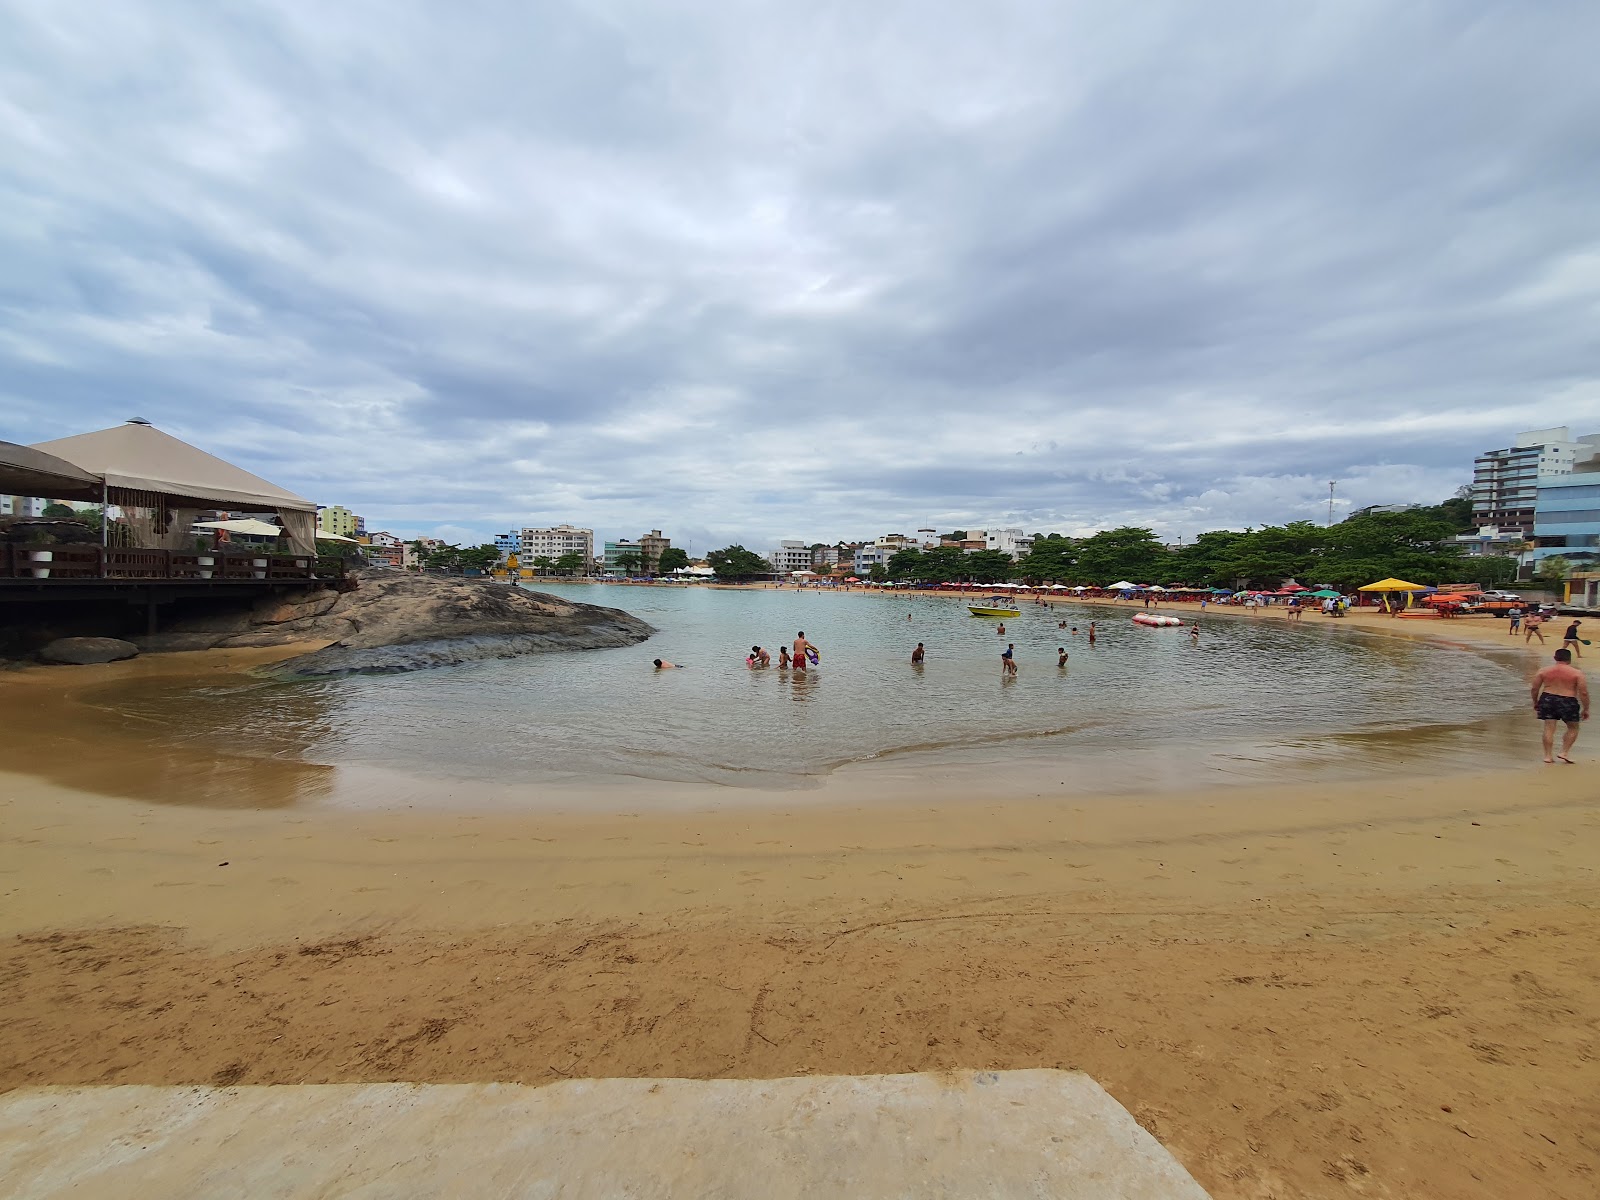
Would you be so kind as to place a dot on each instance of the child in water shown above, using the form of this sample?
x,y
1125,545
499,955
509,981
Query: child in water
x,y
1062,651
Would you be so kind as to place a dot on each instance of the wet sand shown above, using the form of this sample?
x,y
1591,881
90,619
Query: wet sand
x,y
1379,988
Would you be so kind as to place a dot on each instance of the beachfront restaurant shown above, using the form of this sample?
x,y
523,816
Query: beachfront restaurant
x,y
148,491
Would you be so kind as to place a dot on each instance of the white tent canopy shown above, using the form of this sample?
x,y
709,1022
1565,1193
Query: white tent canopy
x,y
1120,587
136,457
243,525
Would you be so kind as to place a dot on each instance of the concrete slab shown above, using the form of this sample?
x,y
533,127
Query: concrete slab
x,y
991,1134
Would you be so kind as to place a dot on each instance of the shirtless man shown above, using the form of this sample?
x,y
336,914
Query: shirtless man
x,y
1530,627
1560,693
665,666
798,658
916,655
1008,659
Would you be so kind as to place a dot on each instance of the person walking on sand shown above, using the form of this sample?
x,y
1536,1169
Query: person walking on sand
x,y
1530,628
1560,693
1008,659
916,655
1516,620
801,648
1570,639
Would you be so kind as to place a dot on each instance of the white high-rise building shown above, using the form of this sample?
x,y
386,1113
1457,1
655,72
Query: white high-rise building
x,y
791,556
556,541
1505,483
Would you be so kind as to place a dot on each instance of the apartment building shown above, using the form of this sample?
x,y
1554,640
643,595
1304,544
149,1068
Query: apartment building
x,y
1567,516
880,550
508,543
1505,483
337,519
555,541
791,556
1008,541
651,546
22,506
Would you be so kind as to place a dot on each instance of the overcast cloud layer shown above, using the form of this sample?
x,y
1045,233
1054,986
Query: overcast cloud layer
x,y
747,271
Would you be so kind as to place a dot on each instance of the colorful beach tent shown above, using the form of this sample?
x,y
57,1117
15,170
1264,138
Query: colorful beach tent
x,y
1394,585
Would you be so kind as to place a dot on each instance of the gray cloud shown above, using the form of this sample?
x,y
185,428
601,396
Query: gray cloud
x,y
744,272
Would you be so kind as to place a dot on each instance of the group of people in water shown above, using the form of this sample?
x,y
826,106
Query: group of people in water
x,y
801,657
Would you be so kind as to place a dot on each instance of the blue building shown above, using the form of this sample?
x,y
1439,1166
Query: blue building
x,y
507,543
1566,519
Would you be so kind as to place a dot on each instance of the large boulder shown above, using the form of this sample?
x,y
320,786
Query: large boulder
x,y
81,651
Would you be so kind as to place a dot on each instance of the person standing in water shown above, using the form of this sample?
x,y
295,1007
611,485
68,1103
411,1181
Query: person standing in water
x,y
759,657
1002,630
1560,693
1194,632
1008,659
783,658
801,645
1062,660
1091,633
916,655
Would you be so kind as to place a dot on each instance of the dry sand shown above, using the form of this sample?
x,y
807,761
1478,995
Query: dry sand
x,y
1384,989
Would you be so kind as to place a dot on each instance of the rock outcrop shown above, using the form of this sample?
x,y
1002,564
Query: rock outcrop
x,y
81,651
399,622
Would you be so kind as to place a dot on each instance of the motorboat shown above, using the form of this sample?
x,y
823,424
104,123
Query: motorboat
x,y
995,606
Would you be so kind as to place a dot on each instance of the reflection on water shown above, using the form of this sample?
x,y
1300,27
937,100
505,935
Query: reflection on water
x,y
1140,705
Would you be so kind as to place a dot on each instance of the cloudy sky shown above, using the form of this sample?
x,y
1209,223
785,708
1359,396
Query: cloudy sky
x,y
751,270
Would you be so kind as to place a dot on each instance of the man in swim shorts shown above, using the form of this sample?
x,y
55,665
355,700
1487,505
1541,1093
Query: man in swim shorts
x,y
1530,627
916,655
1560,693
798,659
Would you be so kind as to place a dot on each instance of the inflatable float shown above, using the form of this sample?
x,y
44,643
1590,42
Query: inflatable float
x,y
1157,622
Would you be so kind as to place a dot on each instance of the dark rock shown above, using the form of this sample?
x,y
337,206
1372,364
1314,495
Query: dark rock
x,y
81,651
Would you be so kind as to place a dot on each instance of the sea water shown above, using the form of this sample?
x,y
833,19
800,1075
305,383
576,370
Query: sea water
x,y
1251,692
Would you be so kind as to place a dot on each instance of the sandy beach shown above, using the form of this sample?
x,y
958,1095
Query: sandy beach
x,y
1387,987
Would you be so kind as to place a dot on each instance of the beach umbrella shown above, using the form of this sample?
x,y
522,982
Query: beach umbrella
x,y
1155,587
1326,594
1393,585
1120,587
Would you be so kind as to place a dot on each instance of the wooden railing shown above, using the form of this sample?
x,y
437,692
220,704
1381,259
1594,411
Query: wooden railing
x,y
80,562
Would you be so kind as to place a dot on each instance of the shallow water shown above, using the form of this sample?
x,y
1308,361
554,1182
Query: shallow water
x,y
1258,696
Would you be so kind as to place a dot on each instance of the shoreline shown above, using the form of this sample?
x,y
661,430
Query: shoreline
x,y
1298,985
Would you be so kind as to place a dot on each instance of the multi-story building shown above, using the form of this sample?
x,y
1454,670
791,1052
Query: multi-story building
x,y
1008,541
336,518
824,559
613,551
652,545
881,550
791,556
22,506
556,541
384,539
1567,516
508,544
1505,483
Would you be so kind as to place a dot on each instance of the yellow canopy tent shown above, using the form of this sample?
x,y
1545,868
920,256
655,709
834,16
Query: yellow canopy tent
x,y
1394,585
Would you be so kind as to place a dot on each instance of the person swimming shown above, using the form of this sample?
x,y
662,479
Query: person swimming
x,y
665,666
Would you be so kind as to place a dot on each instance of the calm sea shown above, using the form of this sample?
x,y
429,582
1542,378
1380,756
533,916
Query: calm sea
x,y
1252,695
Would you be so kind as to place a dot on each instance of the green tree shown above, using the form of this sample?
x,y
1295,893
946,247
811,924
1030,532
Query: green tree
x,y
944,563
1552,572
569,563
1127,552
735,562
878,573
1051,560
57,511
480,558
543,564
906,564
990,566
630,562
673,558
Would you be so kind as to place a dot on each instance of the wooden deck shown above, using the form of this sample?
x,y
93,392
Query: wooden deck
x,y
35,568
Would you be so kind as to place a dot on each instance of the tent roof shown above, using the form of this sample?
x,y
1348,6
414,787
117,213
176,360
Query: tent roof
x,y
1392,585
139,456
25,471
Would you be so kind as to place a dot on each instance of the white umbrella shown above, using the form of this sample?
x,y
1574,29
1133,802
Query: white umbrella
x,y
243,525
323,536
1155,587
1080,588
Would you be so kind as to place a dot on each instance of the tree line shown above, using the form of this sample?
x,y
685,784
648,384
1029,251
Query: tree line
x,y
1416,544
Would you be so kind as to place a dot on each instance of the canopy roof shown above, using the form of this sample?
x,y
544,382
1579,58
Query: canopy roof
x,y
1393,585
244,525
138,456
25,471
